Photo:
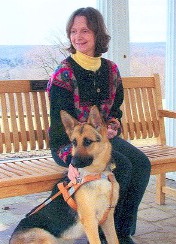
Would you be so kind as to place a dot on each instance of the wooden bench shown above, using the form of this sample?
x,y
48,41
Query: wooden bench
x,y
24,122
24,109
143,119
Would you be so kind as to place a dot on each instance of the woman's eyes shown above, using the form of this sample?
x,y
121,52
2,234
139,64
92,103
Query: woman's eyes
x,y
72,31
85,31
82,31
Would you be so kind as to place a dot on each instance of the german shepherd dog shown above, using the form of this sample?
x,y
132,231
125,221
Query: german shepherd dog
x,y
95,200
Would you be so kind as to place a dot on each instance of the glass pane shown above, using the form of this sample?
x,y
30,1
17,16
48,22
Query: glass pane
x,y
147,37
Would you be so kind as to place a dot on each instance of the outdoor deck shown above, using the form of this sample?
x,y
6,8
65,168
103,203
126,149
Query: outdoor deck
x,y
156,224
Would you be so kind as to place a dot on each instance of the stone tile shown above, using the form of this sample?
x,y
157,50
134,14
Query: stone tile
x,y
3,227
148,197
159,237
139,240
5,235
152,181
18,209
156,224
169,206
9,218
144,227
153,214
169,224
143,205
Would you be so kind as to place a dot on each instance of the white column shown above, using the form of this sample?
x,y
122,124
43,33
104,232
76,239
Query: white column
x,y
116,16
170,80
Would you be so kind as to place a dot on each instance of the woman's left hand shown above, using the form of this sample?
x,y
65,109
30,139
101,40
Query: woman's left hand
x,y
113,126
111,132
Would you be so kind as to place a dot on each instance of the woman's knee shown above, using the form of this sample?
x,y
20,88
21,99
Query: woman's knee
x,y
137,158
122,163
141,162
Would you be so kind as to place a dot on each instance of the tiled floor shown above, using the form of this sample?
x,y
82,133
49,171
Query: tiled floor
x,y
156,224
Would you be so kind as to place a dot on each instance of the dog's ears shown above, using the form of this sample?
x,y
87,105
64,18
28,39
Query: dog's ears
x,y
95,118
68,121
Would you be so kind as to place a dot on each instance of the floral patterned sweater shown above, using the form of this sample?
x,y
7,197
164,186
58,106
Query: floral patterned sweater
x,y
75,90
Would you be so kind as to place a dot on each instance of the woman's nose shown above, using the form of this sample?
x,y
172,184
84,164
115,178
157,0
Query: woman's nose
x,y
79,35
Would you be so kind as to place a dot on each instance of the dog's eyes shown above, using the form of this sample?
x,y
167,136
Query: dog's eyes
x,y
98,139
87,142
74,142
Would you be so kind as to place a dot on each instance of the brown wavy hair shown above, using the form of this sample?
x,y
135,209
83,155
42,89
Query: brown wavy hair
x,y
95,22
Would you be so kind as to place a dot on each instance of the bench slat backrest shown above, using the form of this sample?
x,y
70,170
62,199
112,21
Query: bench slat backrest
x,y
24,113
142,101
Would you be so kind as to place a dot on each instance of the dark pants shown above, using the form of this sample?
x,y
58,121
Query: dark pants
x,y
132,173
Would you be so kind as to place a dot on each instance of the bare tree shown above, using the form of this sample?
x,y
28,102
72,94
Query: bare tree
x,y
47,57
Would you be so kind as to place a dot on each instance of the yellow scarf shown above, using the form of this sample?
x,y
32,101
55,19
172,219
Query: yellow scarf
x,y
87,62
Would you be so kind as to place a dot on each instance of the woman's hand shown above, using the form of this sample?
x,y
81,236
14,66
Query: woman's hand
x,y
72,173
111,133
113,126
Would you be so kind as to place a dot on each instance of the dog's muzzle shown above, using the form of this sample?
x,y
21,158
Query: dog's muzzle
x,y
81,161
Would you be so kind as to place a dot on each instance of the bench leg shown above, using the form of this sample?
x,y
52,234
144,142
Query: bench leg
x,y
160,182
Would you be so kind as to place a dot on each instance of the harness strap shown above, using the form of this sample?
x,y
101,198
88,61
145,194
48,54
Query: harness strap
x,y
105,215
46,202
66,195
68,190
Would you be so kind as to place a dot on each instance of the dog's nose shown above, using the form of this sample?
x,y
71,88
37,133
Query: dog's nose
x,y
81,161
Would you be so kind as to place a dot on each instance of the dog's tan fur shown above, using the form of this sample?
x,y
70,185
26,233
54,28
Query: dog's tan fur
x,y
92,198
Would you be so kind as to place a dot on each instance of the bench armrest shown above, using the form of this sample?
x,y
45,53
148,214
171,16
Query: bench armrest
x,y
167,113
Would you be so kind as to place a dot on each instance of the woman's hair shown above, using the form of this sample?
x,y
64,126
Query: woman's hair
x,y
95,22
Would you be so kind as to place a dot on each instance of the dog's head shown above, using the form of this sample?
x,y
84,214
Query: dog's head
x,y
91,147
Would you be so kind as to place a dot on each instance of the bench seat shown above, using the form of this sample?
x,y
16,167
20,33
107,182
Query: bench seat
x,y
29,175
33,175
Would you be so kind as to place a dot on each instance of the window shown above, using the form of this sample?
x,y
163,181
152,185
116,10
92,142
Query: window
x,y
147,37
31,34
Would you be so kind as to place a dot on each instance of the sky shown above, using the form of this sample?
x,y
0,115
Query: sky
x,y
148,20
37,22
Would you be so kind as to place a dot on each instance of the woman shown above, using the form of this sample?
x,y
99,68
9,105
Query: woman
x,y
84,79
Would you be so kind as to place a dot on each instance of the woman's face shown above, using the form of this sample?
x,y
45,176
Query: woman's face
x,y
82,38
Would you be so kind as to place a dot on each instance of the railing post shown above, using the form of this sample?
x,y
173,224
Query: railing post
x,y
170,80
116,16
170,74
